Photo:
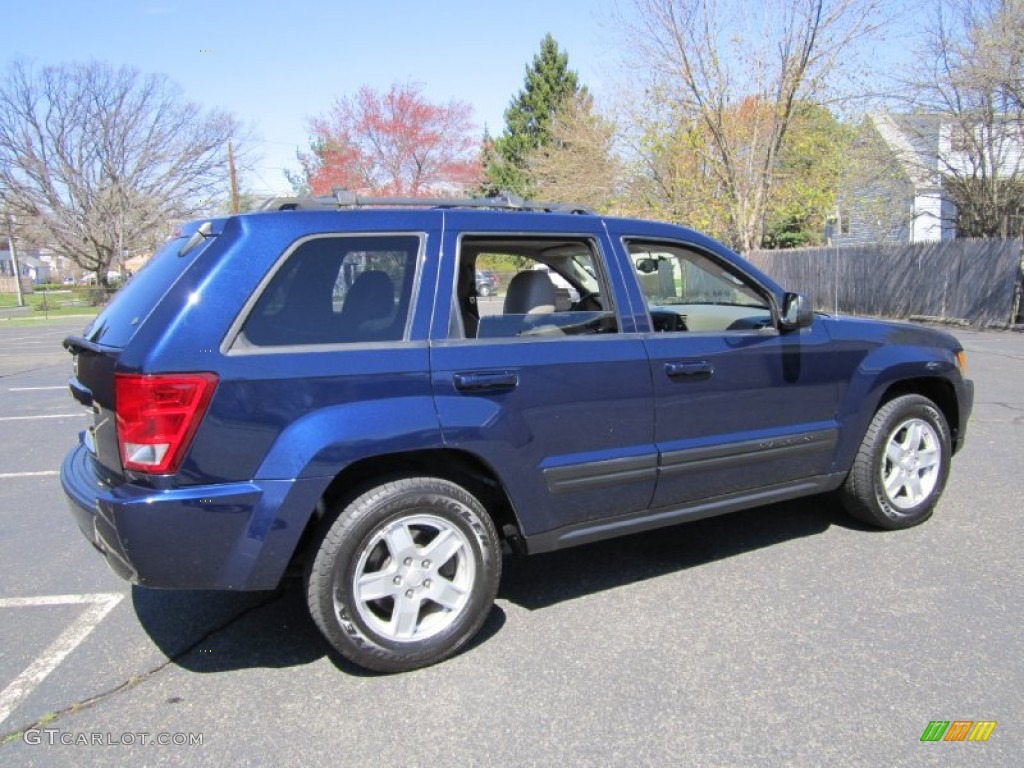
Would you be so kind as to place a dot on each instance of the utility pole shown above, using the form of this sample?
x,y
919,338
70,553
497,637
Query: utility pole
x,y
14,256
233,178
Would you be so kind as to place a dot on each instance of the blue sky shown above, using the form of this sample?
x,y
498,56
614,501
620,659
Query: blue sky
x,y
273,64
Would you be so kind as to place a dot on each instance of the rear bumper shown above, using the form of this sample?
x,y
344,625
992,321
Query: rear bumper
x,y
225,536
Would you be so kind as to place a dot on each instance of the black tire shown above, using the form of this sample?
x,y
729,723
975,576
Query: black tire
x,y
383,542
483,291
901,468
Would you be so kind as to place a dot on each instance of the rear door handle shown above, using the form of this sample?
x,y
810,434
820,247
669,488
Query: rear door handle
x,y
478,382
689,369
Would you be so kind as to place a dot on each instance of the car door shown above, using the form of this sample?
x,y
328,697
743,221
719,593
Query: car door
x,y
740,407
556,400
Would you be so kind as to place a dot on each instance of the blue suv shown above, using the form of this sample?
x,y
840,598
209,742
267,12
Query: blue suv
x,y
317,385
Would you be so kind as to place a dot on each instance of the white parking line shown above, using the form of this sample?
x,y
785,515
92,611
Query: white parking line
x,y
99,605
35,389
42,473
43,416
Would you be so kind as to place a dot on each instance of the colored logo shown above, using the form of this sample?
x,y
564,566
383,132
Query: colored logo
x,y
958,730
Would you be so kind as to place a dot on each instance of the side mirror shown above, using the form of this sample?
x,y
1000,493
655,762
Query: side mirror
x,y
796,312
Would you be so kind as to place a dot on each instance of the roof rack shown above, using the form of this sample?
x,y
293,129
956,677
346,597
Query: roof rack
x,y
343,198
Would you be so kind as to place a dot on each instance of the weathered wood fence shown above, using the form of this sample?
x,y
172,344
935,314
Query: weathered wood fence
x,y
975,281
7,285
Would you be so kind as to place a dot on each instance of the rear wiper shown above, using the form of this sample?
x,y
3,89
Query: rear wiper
x,y
205,230
78,344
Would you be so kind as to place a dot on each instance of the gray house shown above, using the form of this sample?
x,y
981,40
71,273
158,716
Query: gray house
x,y
30,264
896,192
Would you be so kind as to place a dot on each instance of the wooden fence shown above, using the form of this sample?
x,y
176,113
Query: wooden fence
x,y
7,285
973,281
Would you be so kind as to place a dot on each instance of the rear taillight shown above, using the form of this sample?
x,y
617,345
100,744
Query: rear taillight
x,y
157,417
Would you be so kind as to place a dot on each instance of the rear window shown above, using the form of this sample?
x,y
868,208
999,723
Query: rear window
x,y
121,318
337,290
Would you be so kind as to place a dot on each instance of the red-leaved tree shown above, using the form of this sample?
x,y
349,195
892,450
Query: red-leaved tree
x,y
395,144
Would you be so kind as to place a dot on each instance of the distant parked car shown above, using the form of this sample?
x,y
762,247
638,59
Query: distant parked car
x,y
486,282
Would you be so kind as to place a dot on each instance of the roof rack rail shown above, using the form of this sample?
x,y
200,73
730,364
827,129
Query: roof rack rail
x,y
343,198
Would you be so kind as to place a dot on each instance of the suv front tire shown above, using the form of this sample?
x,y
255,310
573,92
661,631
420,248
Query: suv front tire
x,y
902,465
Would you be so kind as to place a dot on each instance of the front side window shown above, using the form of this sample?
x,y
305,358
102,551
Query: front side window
x,y
547,288
337,290
686,290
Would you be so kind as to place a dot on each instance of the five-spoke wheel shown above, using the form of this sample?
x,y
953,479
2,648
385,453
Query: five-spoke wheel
x,y
413,578
912,463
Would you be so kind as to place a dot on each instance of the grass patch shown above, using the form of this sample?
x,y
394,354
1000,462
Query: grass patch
x,y
53,310
36,318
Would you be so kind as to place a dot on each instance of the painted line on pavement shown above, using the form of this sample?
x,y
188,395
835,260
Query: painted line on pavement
x,y
43,416
99,605
42,473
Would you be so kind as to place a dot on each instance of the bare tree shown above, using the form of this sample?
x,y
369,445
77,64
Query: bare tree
x,y
971,93
733,72
95,160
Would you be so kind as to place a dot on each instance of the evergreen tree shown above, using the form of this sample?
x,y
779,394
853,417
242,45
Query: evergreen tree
x,y
549,82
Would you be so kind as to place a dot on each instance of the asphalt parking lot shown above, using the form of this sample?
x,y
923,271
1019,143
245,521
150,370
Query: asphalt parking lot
x,y
785,635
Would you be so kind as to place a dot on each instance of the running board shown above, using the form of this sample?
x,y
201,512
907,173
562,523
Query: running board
x,y
649,520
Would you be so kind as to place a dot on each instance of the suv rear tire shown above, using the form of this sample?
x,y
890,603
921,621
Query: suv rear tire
x,y
405,575
901,468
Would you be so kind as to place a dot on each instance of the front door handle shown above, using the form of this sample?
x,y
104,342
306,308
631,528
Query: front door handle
x,y
689,369
477,382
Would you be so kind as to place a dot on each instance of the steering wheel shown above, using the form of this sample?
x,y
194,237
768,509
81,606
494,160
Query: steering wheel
x,y
593,297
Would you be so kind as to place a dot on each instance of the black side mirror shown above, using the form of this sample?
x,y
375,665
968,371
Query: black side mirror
x,y
796,312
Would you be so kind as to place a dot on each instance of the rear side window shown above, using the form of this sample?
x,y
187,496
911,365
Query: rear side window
x,y
337,290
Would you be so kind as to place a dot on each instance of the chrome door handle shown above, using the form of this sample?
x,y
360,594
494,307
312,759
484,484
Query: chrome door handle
x,y
477,382
689,369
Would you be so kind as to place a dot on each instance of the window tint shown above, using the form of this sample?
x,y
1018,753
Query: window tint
x,y
117,323
551,287
335,290
687,290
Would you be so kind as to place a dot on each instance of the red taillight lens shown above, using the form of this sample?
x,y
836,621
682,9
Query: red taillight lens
x,y
157,416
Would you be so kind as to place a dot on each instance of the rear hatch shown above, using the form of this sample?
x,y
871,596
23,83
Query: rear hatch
x,y
97,350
